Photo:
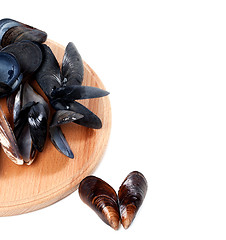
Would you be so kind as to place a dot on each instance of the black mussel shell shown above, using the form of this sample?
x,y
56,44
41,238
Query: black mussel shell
x,y
10,76
12,31
38,121
75,92
64,116
26,96
5,25
131,195
89,119
10,68
102,198
48,75
29,95
58,139
30,120
72,66
37,116
21,118
28,55
23,133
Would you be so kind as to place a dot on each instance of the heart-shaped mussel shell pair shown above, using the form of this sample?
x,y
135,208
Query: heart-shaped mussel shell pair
x,y
102,198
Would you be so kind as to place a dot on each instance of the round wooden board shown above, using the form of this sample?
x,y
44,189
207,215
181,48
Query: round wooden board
x,y
52,176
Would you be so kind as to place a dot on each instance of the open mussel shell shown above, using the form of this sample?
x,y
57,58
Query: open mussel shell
x,y
23,134
30,95
72,66
131,195
89,119
12,31
30,122
8,140
37,116
102,198
10,76
28,55
64,116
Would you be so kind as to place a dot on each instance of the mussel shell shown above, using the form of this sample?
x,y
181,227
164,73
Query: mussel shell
x,y
89,119
5,25
131,195
23,134
8,140
14,31
64,116
59,141
72,66
10,76
30,119
21,118
31,34
10,68
48,75
30,95
102,198
75,92
38,121
27,149
28,55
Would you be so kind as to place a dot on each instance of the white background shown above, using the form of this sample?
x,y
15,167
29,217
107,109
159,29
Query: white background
x,y
164,63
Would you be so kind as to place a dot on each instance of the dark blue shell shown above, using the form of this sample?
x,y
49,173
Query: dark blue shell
x,y
10,76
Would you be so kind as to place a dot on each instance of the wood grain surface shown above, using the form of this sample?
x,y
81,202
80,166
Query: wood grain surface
x,y
53,176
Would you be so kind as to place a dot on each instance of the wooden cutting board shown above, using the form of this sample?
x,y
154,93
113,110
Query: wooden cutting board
x,y
53,176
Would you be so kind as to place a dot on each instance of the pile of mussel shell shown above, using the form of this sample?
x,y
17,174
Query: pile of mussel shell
x,y
24,57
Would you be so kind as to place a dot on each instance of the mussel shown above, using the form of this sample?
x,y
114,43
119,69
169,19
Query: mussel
x,y
10,75
99,195
49,72
89,119
12,31
17,61
8,140
31,114
23,54
28,55
56,135
20,54
131,195
72,66
102,198
63,88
